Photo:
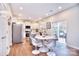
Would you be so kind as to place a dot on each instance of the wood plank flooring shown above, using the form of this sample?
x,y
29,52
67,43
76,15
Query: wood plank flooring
x,y
21,49
25,49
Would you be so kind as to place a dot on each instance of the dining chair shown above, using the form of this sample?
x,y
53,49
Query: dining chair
x,y
51,46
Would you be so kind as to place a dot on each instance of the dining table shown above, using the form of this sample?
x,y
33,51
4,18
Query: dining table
x,y
43,38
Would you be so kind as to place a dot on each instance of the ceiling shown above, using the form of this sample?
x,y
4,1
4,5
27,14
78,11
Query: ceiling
x,y
36,11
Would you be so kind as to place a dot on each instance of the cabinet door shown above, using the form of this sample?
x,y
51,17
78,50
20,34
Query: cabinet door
x,y
3,35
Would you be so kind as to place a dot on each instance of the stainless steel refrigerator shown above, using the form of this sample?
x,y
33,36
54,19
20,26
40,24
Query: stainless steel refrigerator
x,y
17,33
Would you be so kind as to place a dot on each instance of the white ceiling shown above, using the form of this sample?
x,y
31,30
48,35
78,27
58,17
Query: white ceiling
x,y
37,10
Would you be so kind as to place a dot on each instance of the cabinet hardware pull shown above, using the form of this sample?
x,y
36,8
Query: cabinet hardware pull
x,y
3,37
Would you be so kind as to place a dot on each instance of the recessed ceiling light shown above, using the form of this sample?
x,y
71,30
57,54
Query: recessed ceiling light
x,y
19,14
21,8
59,7
40,18
29,17
47,14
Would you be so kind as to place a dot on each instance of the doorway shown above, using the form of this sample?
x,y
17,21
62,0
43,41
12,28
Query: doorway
x,y
60,30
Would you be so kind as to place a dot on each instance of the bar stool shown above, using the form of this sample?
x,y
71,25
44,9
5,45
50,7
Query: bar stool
x,y
51,47
35,52
44,48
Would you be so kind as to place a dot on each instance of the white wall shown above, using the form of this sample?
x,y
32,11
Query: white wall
x,y
72,18
73,28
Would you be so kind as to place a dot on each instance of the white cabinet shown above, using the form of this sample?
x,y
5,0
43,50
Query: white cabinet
x,y
4,36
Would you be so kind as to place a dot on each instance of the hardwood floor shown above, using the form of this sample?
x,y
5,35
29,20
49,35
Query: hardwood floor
x,y
25,49
21,49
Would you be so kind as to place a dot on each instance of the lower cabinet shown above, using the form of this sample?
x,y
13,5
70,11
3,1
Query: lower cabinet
x,y
4,47
4,51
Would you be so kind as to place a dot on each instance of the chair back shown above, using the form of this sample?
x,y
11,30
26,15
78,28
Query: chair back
x,y
51,44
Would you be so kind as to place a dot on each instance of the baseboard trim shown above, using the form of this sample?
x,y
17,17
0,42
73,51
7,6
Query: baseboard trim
x,y
17,43
73,46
